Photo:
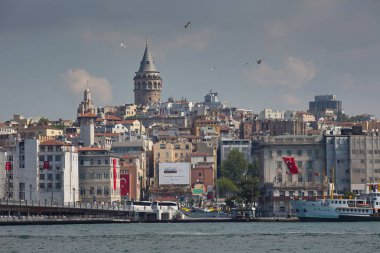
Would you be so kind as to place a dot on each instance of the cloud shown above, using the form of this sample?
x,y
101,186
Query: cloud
x,y
294,74
77,80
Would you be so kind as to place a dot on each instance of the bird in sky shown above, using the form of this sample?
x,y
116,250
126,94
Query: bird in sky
x,y
259,61
123,45
187,24
213,68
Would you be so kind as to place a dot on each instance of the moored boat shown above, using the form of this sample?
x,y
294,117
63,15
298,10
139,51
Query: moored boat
x,y
365,208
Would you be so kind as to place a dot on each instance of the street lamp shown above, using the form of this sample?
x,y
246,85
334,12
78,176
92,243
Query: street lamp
x,y
74,196
141,178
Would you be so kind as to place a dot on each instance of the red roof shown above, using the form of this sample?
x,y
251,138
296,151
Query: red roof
x,y
112,118
55,143
87,115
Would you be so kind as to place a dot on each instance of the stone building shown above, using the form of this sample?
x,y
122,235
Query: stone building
x,y
147,81
277,185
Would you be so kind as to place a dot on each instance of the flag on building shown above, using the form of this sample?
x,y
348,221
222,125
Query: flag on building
x,y
292,166
46,165
8,165
114,174
125,184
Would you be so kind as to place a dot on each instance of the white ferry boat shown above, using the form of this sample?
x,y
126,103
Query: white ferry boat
x,y
358,209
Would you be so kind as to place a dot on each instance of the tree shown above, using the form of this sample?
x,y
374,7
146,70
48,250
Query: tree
x,y
240,179
43,121
235,166
226,186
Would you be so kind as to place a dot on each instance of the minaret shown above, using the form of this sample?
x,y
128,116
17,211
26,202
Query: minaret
x,y
87,105
86,117
147,81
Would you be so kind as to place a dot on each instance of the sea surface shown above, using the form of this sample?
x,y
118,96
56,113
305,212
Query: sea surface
x,y
194,237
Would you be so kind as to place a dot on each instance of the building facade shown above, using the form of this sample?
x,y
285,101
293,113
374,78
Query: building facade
x,y
277,185
99,175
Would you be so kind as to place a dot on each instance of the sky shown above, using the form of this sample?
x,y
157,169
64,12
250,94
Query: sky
x,y
50,50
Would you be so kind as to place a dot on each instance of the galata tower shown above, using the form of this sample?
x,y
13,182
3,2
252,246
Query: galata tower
x,y
148,83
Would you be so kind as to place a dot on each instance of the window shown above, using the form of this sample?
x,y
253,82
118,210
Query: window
x,y
49,186
99,162
279,164
50,158
299,152
99,190
57,158
42,176
162,146
106,190
279,178
82,190
279,153
310,177
288,152
42,185
300,177
92,190
42,158
50,176
50,148
58,176
58,186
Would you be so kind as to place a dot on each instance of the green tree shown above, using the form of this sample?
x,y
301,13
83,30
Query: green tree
x,y
43,121
240,179
235,166
227,187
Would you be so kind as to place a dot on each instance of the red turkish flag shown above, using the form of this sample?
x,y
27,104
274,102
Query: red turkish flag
x,y
46,165
114,174
8,165
292,166
125,184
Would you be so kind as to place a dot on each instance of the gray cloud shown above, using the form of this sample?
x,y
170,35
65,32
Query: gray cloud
x,y
293,74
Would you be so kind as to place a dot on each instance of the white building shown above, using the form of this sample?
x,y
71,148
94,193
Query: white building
x,y
270,114
42,172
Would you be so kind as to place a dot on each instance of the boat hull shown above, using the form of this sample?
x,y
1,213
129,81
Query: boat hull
x,y
318,211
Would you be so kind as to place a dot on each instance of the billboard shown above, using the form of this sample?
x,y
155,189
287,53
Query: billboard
x,y
174,173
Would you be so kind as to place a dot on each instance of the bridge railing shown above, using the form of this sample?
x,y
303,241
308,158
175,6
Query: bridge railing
x,y
77,205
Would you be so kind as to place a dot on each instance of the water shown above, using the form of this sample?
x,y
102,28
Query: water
x,y
194,237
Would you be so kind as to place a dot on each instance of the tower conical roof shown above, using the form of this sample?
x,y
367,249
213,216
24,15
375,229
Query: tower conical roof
x,y
147,63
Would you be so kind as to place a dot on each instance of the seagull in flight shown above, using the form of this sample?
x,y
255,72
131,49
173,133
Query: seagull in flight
x,y
259,60
123,45
187,24
213,68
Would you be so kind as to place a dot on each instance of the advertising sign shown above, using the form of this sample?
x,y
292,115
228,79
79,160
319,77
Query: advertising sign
x,y
174,173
